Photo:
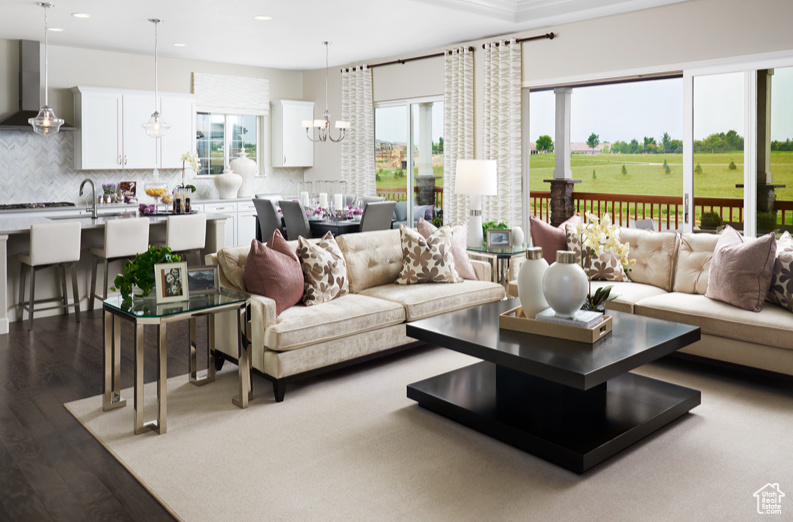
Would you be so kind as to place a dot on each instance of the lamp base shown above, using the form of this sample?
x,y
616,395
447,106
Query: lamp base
x,y
475,236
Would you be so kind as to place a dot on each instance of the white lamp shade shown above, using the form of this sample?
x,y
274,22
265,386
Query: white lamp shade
x,y
476,177
319,123
342,125
307,124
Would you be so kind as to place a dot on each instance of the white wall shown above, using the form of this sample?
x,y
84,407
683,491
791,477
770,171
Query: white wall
x,y
662,38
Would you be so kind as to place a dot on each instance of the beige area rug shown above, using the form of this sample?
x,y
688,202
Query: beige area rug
x,y
351,446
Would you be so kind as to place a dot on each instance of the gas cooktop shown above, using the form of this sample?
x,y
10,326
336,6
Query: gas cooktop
x,y
46,204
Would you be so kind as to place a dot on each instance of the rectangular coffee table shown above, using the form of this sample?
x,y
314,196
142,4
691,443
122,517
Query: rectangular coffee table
x,y
573,404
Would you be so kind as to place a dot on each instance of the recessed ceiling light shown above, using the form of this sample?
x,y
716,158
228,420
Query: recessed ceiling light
x,y
55,29
179,45
263,18
81,15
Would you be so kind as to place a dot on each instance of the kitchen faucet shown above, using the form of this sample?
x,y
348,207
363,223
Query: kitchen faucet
x,y
93,196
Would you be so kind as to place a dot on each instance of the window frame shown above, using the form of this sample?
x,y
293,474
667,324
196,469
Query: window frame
x,y
227,140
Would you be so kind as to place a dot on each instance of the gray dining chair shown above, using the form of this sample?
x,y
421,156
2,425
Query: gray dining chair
x,y
295,219
268,217
377,216
372,199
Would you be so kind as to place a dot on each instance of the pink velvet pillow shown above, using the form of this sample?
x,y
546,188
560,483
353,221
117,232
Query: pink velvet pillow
x,y
273,270
741,269
548,237
459,242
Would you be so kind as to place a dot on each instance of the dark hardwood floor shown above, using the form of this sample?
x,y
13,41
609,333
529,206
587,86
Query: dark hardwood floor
x,y
51,468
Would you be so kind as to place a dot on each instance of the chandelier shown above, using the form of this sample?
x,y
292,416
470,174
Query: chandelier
x,y
156,126
45,122
323,125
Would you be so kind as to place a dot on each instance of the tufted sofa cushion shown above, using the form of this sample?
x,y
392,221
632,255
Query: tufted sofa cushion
x,y
655,256
232,265
693,263
373,258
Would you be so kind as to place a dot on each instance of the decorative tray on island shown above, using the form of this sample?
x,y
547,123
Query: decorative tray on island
x,y
516,320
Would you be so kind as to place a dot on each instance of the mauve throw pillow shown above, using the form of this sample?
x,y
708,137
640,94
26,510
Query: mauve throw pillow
x,y
548,237
462,263
741,269
273,270
781,291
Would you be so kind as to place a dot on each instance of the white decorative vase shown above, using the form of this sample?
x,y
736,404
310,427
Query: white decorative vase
x,y
530,291
565,284
247,168
518,237
228,184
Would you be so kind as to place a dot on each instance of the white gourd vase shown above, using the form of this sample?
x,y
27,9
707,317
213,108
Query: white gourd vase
x,y
530,291
247,168
518,237
228,184
565,284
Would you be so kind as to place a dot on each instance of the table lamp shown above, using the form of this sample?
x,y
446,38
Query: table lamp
x,y
476,178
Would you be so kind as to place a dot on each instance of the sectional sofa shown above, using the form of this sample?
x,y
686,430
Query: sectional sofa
x,y
669,282
369,321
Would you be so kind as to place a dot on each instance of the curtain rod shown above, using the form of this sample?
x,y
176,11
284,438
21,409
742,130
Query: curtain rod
x,y
549,36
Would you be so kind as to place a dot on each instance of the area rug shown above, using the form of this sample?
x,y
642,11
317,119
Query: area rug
x,y
351,446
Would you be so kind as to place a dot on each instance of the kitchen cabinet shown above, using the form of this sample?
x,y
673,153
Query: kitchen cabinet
x,y
246,222
110,135
229,210
290,146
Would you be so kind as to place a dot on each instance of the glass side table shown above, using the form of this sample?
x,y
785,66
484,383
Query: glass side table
x,y
499,259
146,311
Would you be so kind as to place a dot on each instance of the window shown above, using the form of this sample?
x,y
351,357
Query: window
x,y
221,137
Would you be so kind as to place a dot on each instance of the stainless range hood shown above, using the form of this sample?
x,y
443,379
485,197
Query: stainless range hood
x,y
29,89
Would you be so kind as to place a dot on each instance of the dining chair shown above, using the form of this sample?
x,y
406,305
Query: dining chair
x,y
268,218
377,216
51,244
295,219
186,234
372,199
123,239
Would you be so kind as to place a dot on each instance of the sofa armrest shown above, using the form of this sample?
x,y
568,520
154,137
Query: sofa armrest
x,y
482,270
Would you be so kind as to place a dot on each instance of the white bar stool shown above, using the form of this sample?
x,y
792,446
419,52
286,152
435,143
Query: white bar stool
x,y
51,244
123,239
185,234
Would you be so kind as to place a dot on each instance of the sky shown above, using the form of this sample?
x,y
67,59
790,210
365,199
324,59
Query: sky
x,y
391,122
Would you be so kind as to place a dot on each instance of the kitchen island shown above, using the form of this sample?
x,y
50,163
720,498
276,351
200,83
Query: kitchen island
x,y
15,239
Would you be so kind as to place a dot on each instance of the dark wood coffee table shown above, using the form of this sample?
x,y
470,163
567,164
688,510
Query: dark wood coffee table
x,y
573,404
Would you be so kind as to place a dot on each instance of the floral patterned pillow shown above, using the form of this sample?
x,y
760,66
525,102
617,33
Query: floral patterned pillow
x,y
607,267
324,270
781,291
427,260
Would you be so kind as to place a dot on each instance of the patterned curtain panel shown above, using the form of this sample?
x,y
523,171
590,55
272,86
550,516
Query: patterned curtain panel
x,y
357,148
502,131
458,127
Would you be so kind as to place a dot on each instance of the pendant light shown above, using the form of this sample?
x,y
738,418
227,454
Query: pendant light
x,y
46,123
323,125
156,126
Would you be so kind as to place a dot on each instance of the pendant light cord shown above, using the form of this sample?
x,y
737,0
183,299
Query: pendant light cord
x,y
326,75
155,65
46,57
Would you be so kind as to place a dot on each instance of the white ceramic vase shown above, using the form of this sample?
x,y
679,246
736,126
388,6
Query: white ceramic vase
x,y
228,184
530,291
518,237
565,284
247,168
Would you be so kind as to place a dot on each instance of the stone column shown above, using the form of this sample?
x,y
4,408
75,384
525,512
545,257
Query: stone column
x,y
562,183
561,199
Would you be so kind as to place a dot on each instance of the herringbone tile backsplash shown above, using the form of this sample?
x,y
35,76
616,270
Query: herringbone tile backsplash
x,y
36,168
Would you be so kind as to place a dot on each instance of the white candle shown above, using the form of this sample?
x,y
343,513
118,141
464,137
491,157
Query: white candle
x,y
323,200
304,199
338,201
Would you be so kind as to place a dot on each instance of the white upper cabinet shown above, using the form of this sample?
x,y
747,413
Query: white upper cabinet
x,y
179,111
290,146
110,134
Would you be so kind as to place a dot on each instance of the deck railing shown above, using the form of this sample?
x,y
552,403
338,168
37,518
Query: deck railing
x,y
401,194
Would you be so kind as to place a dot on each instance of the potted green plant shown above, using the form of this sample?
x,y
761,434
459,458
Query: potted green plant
x,y
139,272
710,220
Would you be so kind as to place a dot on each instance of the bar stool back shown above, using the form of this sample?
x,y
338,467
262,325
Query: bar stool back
x,y
186,234
51,244
123,239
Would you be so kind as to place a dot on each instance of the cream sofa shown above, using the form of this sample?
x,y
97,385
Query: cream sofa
x,y
369,321
669,282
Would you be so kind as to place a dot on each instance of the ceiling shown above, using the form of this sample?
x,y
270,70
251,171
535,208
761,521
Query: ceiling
x,y
226,31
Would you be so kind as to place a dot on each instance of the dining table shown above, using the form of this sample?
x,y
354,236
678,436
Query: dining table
x,y
320,227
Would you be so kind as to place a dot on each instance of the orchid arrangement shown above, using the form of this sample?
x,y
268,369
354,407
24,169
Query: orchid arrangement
x,y
598,236
190,158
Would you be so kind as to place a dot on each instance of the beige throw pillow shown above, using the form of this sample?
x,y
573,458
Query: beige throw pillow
x,y
324,270
741,269
462,263
607,267
427,260
781,291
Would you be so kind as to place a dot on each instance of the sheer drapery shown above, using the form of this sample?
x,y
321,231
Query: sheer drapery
x,y
502,129
458,127
357,148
